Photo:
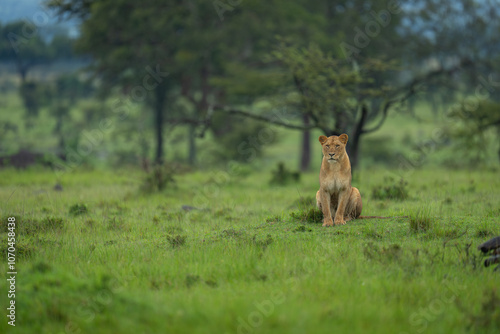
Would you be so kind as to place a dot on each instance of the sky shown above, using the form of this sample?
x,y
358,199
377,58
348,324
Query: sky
x,y
33,12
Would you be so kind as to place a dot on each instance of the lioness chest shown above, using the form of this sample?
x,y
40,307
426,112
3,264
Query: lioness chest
x,y
334,185
334,180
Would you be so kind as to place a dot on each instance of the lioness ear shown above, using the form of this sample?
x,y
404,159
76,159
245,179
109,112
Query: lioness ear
x,y
343,138
322,139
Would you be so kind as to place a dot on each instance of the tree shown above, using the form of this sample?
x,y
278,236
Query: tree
x,y
335,70
199,51
356,96
471,120
131,50
21,45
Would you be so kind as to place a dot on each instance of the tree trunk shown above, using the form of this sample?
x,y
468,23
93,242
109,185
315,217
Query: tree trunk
x,y
305,159
59,132
353,146
159,104
192,145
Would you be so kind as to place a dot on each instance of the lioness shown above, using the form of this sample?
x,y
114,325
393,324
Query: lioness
x,y
336,197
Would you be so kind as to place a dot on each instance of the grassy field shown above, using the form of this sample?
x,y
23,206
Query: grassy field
x,y
102,257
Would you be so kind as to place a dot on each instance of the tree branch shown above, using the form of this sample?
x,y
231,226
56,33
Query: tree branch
x,y
243,113
411,88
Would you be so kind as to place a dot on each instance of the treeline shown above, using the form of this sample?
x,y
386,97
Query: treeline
x,y
227,67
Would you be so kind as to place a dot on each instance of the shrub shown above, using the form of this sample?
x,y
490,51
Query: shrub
x,y
176,240
282,176
312,215
158,179
78,209
397,191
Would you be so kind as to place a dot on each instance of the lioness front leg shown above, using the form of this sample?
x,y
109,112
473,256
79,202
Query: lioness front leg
x,y
343,200
325,200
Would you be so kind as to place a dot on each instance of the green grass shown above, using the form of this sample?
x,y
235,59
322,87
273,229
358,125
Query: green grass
x,y
252,258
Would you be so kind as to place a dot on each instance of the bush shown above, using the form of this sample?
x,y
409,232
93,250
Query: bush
x,y
176,240
239,139
158,179
420,221
78,209
282,176
396,191
312,215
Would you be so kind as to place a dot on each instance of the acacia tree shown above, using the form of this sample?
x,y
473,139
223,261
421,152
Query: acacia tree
x,y
356,95
336,97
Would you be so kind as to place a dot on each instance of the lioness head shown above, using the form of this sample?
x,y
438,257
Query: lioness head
x,y
333,147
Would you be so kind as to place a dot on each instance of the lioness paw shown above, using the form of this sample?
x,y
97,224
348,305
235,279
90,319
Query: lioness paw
x,y
328,223
340,222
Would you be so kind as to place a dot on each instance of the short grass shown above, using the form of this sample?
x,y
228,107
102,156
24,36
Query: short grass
x,y
102,257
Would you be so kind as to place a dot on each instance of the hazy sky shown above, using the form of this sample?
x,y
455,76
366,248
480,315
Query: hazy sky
x,y
33,12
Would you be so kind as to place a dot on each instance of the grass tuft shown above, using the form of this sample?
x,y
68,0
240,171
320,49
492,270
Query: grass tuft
x,y
78,209
176,240
302,228
394,191
312,215
420,220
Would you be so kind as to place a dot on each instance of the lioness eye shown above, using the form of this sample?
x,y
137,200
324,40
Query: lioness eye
x,y
337,146
327,146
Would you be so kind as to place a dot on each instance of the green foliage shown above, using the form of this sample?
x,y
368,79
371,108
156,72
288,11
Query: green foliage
x,y
304,202
420,220
312,215
159,178
34,226
282,176
380,151
394,191
239,139
488,316
30,94
78,209
471,123
384,254
176,240
331,91
302,228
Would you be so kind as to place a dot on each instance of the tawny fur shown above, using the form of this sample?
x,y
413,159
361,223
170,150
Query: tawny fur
x,y
337,199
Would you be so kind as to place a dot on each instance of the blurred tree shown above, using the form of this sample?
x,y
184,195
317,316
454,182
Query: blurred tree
x,y
472,120
333,72
441,34
21,45
132,47
347,96
207,53
63,94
